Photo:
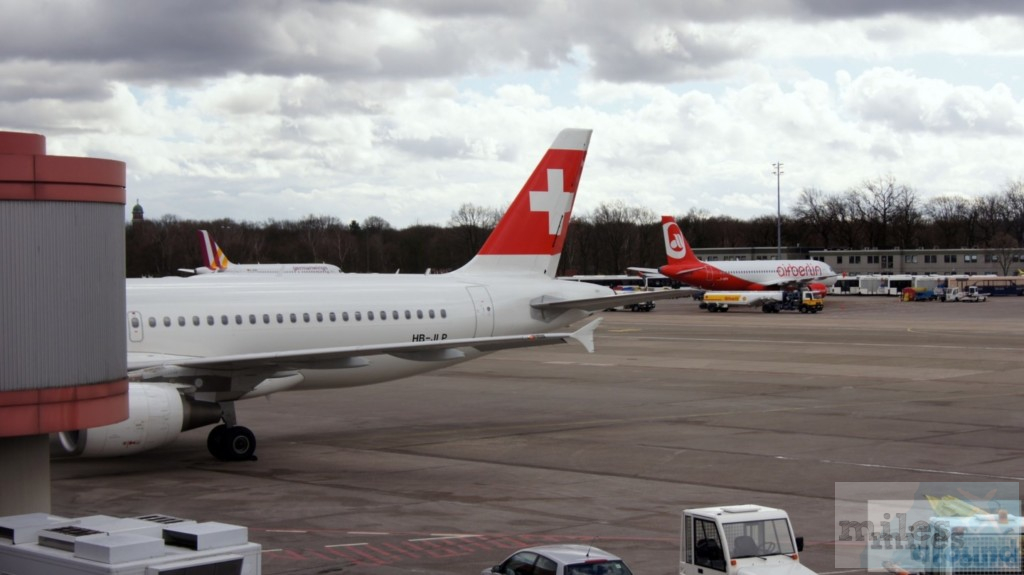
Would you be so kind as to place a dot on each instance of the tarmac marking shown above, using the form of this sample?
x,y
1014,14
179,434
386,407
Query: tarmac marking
x,y
399,549
901,468
444,536
829,343
399,552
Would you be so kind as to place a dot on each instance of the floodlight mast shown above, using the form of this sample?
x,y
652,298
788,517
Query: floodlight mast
x,y
778,208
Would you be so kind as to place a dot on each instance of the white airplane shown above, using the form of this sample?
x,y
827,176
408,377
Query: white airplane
x,y
216,261
755,275
195,348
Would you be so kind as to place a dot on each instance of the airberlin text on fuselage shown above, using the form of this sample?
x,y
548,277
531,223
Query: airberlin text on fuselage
x,y
798,271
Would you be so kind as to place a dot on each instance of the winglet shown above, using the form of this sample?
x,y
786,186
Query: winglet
x,y
530,236
585,334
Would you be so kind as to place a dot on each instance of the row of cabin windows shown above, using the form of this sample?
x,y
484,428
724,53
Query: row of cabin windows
x,y
306,317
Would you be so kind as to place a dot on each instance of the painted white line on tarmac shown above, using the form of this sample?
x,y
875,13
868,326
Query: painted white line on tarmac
x,y
443,536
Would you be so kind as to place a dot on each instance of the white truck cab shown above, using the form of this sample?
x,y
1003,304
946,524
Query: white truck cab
x,y
969,294
739,540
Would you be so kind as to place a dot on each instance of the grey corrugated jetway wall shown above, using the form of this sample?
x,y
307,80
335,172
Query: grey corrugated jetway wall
x,y
62,308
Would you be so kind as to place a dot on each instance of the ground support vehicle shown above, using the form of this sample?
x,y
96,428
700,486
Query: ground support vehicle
x,y
802,300
642,306
921,294
721,301
968,294
747,539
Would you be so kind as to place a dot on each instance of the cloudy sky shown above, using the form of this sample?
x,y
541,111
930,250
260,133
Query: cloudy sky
x,y
405,109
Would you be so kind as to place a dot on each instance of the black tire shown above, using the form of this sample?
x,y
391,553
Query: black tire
x,y
239,443
235,443
215,439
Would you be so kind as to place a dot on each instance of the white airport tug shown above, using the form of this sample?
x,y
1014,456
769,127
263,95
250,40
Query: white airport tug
x,y
739,540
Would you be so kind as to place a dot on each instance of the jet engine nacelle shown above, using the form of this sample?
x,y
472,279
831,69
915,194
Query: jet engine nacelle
x,y
157,414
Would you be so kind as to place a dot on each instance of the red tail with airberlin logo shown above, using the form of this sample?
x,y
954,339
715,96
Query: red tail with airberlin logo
x,y
538,219
676,247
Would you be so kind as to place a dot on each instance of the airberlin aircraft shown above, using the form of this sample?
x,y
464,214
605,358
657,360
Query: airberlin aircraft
x,y
683,266
196,348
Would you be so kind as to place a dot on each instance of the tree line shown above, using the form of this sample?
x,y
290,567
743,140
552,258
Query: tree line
x,y
880,213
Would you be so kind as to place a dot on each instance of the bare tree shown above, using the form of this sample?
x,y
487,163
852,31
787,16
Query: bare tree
x,y
374,229
846,210
1006,251
695,226
1013,197
620,230
950,217
315,234
907,217
989,212
880,202
813,207
473,224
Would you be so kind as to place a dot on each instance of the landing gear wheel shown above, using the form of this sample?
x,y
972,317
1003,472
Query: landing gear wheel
x,y
214,440
234,443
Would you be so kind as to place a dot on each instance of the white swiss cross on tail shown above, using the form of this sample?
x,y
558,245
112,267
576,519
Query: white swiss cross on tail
x,y
555,201
530,236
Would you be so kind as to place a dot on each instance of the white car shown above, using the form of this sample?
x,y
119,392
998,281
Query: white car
x,y
569,559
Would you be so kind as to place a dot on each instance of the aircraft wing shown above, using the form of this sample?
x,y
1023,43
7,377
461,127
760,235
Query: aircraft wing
x,y
643,271
609,301
151,366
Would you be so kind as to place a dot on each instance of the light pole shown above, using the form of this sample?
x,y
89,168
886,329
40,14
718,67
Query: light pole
x,y
778,208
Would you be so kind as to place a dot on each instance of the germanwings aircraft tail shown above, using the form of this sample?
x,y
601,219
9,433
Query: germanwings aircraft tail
x,y
529,238
213,257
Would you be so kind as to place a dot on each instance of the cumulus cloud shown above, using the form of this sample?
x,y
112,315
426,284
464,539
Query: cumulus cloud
x,y
406,108
903,101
